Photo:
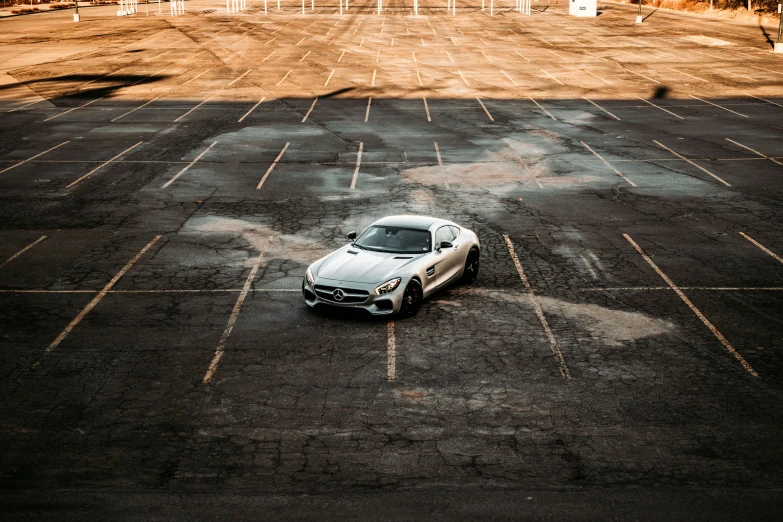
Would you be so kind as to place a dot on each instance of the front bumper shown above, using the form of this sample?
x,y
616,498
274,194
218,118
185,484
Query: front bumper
x,y
355,295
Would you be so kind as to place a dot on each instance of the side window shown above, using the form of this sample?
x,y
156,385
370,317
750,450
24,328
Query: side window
x,y
443,234
454,232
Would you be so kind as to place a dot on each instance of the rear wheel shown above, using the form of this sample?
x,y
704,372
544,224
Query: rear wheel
x,y
411,299
471,266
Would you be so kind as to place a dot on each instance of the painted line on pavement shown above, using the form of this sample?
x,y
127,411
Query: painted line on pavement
x,y
33,157
608,164
284,77
543,109
427,109
773,160
22,251
598,106
193,109
137,108
272,166
358,164
236,80
97,299
221,347
367,113
181,172
661,108
719,106
743,234
251,110
310,109
74,108
485,109
692,163
539,311
693,308
99,167
440,164
391,353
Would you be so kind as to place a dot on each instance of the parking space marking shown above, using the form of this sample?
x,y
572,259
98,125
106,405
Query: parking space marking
x,y
367,112
99,167
692,163
310,109
221,347
195,55
305,56
74,108
686,74
284,77
593,74
358,164
391,353
22,107
341,57
608,164
762,99
272,166
485,109
440,164
251,110
186,167
719,106
22,251
507,76
134,110
33,157
237,79
202,73
773,160
97,299
707,288
372,82
693,308
643,76
661,108
539,311
598,106
463,78
555,79
743,234
427,109
193,109
543,109
522,55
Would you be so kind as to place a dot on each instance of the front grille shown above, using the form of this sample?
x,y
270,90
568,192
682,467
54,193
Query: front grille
x,y
352,295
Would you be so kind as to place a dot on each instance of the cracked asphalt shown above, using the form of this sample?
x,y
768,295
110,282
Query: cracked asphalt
x,y
165,181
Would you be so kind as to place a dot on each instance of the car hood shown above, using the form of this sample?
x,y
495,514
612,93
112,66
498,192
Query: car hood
x,y
364,266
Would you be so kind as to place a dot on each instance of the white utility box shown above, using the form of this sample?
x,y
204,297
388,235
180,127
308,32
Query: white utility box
x,y
583,8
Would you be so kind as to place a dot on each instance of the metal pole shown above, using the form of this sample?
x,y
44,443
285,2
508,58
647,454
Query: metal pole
x,y
76,17
780,25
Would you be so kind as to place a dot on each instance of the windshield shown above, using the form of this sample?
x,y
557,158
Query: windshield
x,y
395,239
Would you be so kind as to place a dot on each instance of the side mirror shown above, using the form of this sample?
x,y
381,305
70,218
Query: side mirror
x,y
351,235
445,244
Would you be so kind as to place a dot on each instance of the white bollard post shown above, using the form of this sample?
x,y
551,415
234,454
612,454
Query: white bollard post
x,y
482,5
312,5
341,7
416,7
303,8
228,6
265,7
278,5
454,7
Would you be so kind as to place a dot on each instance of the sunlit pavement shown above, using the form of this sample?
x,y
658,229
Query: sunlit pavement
x,y
165,181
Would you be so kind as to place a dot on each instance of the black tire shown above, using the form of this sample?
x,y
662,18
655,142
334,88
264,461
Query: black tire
x,y
471,266
412,299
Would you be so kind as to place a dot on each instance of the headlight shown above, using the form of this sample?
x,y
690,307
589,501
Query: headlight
x,y
388,286
309,277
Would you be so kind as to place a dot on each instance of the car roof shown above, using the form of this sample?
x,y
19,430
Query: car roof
x,y
420,222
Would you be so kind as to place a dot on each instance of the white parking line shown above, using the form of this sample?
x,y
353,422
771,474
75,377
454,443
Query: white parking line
x,y
661,108
367,113
391,353
196,77
195,55
341,57
372,82
146,78
762,99
693,308
269,56
418,76
773,160
593,74
555,79
22,251
522,55
539,311
643,76
305,56
608,164
691,162
33,157
251,110
329,78
237,79
97,299
507,76
272,166
485,109
719,106
74,108
358,164
540,107
284,77
310,110
607,112
221,347
463,78
96,169
440,164
686,74
184,169
137,108
743,234
193,109
427,109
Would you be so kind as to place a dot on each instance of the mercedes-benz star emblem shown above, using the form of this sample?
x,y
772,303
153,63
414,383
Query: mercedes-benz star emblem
x,y
338,294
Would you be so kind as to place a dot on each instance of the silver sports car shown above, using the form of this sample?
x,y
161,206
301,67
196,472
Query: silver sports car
x,y
393,265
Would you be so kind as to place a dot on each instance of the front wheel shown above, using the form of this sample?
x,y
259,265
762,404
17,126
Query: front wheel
x,y
411,299
471,266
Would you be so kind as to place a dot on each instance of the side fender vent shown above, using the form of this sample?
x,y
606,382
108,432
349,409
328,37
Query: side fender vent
x,y
431,271
403,257
352,252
